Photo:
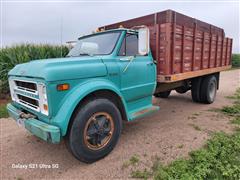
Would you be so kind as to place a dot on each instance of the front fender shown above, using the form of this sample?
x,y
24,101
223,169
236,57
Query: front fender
x,y
64,114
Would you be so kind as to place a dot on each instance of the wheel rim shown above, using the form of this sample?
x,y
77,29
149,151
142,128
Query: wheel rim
x,y
98,130
212,91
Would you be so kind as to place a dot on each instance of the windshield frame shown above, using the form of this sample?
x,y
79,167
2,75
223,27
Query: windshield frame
x,y
100,33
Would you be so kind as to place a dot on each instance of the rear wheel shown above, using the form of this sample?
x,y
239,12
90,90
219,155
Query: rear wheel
x,y
195,89
163,94
95,130
208,89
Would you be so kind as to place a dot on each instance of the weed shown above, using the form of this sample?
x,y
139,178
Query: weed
x,y
192,117
231,110
214,110
218,159
196,127
141,174
236,120
236,96
3,111
196,114
125,164
180,146
132,161
19,178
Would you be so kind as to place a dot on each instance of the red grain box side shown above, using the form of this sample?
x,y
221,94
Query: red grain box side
x,y
182,44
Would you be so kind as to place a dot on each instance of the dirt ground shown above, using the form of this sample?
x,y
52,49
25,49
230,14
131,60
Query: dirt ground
x,y
179,127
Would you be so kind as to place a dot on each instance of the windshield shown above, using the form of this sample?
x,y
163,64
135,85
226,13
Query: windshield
x,y
99,44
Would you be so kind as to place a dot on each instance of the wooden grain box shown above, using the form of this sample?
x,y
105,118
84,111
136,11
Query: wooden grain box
x,y
183,47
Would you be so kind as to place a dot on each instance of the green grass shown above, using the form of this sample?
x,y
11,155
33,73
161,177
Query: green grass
x,y
236,96
194,116
236,60
231,110
132,161
234,110
218,159
141,174
180,146
236,120
196,127
3,111
11,56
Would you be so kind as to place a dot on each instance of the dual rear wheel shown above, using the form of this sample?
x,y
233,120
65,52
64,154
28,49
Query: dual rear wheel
x,y
204,89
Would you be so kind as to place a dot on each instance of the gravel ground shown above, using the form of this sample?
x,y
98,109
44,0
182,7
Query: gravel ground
x,y
178,128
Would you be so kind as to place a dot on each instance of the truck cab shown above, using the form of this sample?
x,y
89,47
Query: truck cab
x,y
108,77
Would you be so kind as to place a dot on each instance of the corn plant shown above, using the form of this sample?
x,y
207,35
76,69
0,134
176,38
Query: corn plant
x,y
11,56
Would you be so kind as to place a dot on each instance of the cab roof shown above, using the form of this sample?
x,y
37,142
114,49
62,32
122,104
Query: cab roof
x,y
111,30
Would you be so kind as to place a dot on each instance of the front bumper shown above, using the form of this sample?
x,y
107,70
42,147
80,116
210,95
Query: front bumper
x,y
40,129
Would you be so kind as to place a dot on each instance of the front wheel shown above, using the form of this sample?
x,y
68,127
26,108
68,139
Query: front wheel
x,y
95,130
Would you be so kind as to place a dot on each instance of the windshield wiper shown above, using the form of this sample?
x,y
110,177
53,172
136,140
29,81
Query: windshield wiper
x,y
82,54
85,54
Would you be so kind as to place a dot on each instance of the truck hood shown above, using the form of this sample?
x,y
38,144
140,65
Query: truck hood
x,y
61,68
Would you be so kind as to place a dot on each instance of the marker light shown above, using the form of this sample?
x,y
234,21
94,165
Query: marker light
x,y
63,87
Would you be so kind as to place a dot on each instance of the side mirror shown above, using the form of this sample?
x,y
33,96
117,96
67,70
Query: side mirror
x,y
89,48
143,41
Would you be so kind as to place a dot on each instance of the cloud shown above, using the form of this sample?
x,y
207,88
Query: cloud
x,y
40,22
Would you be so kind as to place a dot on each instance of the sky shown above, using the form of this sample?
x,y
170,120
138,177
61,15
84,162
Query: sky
x,y
42,21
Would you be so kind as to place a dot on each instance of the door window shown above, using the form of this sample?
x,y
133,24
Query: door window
x,y
129,45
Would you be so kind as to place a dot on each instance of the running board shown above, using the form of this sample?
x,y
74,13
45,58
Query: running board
x,y
143,112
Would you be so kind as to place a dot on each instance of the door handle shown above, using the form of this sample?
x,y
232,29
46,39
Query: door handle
x,y
129,58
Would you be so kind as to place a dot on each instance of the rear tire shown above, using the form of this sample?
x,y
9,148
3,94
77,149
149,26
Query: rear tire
x,y
94,131
208,89
196,88
162,94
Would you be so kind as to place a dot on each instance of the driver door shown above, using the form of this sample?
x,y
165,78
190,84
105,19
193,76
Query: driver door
x,y
138,73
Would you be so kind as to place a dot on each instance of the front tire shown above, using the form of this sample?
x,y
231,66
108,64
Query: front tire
x,y
95,130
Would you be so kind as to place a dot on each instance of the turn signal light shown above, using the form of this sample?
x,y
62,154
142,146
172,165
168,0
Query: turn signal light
x,y
45,107
63,87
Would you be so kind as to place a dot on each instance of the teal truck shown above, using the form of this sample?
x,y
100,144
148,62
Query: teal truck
x,y
112,75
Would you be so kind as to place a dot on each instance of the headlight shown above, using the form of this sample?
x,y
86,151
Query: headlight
x,y
12,86
43,103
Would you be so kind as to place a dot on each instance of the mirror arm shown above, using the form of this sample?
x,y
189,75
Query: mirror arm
x,y
130,61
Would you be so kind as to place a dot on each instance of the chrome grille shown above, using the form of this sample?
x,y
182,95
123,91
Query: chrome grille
x,y
28,101
27,86
25,93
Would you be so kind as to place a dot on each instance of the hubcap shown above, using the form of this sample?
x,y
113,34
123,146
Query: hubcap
x,y
98,130
212,91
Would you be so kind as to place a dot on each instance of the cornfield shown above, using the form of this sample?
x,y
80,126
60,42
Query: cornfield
x,y
236,60
11,56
